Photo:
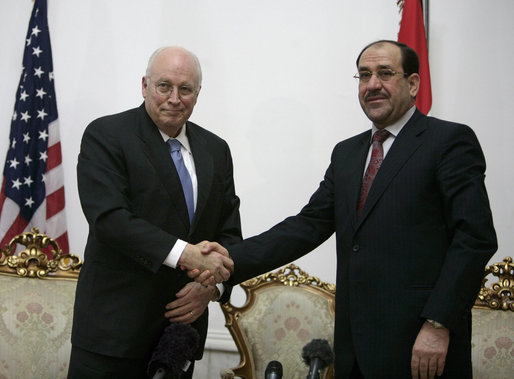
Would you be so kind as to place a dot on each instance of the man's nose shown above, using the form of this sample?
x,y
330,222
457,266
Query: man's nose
x,y
374,82
174,96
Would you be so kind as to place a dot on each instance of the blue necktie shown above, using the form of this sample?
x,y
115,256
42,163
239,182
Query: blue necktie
x,y
185,178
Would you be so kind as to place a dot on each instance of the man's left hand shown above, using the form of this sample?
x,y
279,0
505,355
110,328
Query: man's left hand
x,y
429,352
190,303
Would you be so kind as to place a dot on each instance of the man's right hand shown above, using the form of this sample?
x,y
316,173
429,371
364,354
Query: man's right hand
x,y
429,352
205,277
214,265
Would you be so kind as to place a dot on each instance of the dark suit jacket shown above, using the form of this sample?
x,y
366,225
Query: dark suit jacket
x,y
133,201
417,251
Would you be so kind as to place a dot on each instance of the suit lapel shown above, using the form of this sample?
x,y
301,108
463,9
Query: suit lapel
x,y
357,161
158,154
405,144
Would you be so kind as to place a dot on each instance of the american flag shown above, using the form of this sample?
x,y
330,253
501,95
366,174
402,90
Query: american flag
x,y
33,185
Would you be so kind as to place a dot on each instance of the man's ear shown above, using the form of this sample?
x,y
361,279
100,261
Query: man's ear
x,y
144,86
413,81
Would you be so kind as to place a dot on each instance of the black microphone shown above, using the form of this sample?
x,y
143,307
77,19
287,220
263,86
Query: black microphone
x,y
317,354
174,351
273,370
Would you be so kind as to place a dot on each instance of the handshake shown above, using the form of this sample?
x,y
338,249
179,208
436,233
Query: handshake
x,y
207,262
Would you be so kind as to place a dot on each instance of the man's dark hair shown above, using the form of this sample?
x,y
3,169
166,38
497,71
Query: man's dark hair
x,y
410,60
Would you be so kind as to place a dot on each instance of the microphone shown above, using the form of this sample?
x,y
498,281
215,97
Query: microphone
x,y
273,370
317,354
174,351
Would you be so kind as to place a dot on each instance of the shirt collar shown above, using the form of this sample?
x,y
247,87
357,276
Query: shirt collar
x,y
395,128
182,137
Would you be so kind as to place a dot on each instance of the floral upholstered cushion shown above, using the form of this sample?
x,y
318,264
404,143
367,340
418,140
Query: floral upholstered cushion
x,y
283,320
35,327
493,344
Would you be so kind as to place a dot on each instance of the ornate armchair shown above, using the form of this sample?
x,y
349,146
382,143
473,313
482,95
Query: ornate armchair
x,y
37,291
284,311
493,323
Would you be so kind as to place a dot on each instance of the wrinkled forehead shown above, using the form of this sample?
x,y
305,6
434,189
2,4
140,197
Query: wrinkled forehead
x,y
382,55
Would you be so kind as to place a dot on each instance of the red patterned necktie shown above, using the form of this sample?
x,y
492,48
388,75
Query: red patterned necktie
x,y
377,156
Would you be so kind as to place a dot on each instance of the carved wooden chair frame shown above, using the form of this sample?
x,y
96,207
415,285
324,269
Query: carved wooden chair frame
x,y
500,294
33,261
291,275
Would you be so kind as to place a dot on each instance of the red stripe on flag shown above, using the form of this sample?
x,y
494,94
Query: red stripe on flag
x,y
54,203
62,241
54,156
17,227
2,195
412,33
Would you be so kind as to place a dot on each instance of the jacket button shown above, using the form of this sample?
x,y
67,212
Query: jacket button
x,y
355,248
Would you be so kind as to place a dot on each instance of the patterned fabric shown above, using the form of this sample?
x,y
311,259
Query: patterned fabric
x,y
492,344
35,327
282,321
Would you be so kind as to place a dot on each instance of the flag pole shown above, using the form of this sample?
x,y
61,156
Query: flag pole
x,y
426,17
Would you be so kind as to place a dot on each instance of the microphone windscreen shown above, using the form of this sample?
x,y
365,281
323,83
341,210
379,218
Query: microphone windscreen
x,y
274,367
273,370
320,349
176,346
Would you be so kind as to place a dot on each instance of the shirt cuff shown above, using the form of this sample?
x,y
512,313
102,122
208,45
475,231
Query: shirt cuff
x,y
221,288
175,253
435,324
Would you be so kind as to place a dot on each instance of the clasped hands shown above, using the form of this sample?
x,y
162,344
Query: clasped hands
x,y
207,262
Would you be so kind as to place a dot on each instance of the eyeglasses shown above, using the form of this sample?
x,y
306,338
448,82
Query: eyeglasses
x,y
184,92
384,75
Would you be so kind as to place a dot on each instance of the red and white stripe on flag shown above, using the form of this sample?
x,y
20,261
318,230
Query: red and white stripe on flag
x,y
412,33
33,185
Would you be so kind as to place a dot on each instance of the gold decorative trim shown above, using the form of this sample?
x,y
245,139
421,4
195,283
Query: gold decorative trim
x,y
33,261
500,294
290,275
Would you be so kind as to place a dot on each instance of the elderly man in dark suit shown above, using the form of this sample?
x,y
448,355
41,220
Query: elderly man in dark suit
x,y
414,230
147,203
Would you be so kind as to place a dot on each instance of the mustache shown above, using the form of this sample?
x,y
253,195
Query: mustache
x,y
375,93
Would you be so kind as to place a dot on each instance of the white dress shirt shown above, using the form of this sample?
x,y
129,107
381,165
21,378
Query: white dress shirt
x,y
176,251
